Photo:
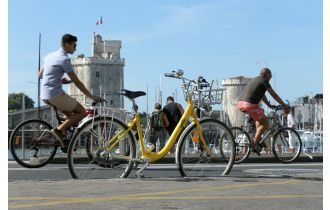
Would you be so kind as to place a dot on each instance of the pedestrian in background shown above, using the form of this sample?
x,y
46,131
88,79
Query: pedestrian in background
x,y
158,122
174,112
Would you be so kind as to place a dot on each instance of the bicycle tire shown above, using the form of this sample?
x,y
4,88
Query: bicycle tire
x,y
88,160
31,143
192,159
280,145
242,143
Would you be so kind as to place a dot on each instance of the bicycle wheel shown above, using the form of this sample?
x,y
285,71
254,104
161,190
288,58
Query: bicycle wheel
x,y
89,153
242,142
282,139
193,160
31,143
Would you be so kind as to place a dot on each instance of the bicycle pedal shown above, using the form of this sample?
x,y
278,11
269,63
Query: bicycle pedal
x,y
256,149
262,145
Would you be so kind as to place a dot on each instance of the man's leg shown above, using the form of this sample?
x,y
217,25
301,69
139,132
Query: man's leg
x,y
162,139
261,127
77,115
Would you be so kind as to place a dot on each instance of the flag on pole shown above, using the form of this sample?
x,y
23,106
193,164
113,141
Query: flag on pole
x,y
99,21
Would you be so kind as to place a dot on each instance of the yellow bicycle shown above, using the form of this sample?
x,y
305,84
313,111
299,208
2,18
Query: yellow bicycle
x,y
113,145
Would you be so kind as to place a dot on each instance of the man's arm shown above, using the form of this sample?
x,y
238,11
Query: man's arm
x,y
166,123
277,98
181,109
81,86
265,100
41,72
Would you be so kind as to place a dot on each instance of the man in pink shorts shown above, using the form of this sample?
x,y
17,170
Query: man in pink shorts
x,y
250,98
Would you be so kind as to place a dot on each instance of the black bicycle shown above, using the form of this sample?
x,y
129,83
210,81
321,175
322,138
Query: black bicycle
x,y
32,144
285,142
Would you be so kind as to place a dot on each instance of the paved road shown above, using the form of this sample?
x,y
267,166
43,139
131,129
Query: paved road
x,y
61,172
249,186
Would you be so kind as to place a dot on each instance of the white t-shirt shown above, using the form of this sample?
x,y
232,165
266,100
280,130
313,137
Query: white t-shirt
x,y
290,120
56,64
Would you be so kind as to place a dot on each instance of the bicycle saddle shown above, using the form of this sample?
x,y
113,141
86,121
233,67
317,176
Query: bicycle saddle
x,y
132,94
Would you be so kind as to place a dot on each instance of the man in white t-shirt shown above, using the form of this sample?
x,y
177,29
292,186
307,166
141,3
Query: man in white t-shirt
x,y
291,124
57,64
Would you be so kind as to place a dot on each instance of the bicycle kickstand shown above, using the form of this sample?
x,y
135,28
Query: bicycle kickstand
x,y
139,173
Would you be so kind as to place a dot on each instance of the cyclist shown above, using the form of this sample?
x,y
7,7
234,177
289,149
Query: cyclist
x,y
249,101
55,65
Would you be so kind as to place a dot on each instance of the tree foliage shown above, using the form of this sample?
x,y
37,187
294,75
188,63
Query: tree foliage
x,y
143,119
15,102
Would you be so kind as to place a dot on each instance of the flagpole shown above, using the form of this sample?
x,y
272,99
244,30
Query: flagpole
x,y
39,78
101,23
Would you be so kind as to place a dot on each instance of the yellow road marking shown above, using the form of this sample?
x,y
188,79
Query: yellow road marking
x,y
50,201
130,198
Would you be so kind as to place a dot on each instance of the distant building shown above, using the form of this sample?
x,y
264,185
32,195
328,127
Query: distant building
x,y
308,112
103,73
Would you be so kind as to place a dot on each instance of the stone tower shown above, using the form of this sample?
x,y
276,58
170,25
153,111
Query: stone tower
x,y
233,88
102,74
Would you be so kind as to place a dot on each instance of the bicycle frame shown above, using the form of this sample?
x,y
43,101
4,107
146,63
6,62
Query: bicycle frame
x,y
145,154
274,127
265,136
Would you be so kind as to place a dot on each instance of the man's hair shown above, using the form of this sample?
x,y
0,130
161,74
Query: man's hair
x,y
68,39
264,71
170,98
158,106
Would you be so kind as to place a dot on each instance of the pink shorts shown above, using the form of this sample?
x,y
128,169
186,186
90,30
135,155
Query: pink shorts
x,y
254,110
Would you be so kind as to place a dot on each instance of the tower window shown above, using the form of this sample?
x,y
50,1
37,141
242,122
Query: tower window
x,y
97,74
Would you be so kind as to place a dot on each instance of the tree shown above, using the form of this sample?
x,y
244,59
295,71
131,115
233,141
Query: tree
x,y
15,102
143,119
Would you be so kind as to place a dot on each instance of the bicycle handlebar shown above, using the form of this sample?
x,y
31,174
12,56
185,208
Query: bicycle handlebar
x,y
100,101
175,74
171,75
278,107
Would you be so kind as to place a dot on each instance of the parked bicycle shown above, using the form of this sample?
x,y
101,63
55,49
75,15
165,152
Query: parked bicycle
x,y
32,145
284,142
115,147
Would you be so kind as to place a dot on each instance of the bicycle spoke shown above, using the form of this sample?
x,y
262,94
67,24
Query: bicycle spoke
x,y
286,145
193,159
90,156
31,143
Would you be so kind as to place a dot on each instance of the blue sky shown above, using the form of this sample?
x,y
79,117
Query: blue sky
x,y
217,39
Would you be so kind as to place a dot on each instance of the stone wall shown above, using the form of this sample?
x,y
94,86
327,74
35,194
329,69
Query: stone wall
x,y
102,74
